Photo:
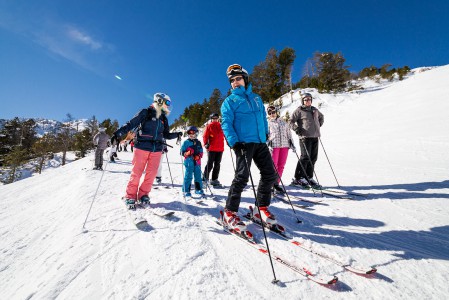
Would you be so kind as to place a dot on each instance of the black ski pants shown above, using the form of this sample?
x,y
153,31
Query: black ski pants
x,y
309,156
259,153
213,164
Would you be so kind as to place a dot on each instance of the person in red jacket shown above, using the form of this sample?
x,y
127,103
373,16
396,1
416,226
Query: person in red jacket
x,y
213,139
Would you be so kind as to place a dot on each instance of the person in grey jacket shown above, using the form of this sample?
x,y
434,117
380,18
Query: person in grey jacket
x,y
306,121
101,141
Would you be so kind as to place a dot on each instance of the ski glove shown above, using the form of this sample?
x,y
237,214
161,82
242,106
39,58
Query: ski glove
x,y
239,146
188,152
270,145
207,146
292,146
197,157
179,134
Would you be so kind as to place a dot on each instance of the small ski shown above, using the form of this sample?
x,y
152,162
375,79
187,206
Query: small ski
x,y
160,212
282,199
339,196
262,249
343,192
135,217
312,200
288,237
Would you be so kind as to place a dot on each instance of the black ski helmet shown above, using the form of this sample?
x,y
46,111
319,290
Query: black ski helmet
x,y
192,128
236,69
214,115
306,95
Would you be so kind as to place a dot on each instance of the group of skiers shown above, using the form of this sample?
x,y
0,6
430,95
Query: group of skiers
x,y
246,130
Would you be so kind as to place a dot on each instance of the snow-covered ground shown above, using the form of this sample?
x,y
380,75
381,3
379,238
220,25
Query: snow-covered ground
x,y
388,142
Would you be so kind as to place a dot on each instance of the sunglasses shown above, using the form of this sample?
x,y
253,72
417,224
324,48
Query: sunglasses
x,y
238,78
307,99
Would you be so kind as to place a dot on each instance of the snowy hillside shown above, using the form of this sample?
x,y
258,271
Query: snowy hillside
x,y
389,143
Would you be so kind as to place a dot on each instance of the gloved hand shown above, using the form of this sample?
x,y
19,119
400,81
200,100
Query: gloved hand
x,y
197,157
114,140
298,131
270,146
165,150
207,146
179,134
239,146
292,146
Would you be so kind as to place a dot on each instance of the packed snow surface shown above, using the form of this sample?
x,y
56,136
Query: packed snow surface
x,y
389,143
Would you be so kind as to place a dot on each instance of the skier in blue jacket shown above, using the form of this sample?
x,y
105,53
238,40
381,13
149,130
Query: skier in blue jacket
x,y
192,150
245,126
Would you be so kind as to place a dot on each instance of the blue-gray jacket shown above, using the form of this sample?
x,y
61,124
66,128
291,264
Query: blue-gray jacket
x,y
153,131
243,117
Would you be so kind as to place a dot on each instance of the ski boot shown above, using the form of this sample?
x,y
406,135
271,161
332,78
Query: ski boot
x,y
130,203
232,222
145,200
265,218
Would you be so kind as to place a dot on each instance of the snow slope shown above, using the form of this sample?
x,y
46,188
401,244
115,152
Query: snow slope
x,y
389,143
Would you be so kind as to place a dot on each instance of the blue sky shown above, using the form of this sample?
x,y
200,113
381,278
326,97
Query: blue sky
x,y
59,57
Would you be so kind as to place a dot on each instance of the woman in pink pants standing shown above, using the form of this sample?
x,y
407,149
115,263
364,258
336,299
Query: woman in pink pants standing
x,y
152,129
279,141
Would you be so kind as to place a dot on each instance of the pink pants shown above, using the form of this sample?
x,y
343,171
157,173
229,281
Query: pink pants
x,y
142,161
279,156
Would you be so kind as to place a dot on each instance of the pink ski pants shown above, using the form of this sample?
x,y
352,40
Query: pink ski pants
x,y
142,161
279,156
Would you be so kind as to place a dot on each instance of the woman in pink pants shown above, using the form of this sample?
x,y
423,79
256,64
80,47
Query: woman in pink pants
x,y
152,130
279,141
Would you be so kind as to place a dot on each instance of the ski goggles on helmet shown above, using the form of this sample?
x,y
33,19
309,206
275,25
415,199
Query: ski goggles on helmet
x,y
234,67
162,98
191,132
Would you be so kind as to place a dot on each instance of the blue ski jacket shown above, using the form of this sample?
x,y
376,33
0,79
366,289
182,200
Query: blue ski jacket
x,y
243,117
195,147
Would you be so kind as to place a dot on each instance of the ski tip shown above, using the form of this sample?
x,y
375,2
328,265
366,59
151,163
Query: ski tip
x,y
143,226
333,280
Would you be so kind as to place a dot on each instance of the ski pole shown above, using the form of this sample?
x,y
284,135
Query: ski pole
x,y
183,178
171,177
275,281
288,197
329,162
314,172
232,159
304,171
207,185
310,161
84,230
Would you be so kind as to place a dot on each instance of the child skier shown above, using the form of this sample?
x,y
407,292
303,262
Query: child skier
x,y
192,150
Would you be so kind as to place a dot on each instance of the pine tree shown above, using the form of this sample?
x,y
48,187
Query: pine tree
x,y
332,73
64,140
43,148
14,159
286,59
265,78
83,142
